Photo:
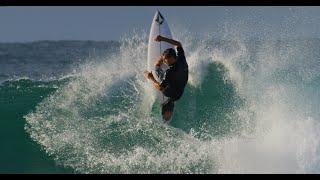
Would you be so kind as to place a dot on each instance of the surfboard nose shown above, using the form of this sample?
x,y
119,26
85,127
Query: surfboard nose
x,y
157,12
158,17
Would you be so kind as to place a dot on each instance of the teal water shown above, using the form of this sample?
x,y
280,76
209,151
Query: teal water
x,y
248,108
20,97
19,154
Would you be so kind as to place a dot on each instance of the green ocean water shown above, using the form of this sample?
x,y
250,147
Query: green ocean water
x,y
247,108
19,154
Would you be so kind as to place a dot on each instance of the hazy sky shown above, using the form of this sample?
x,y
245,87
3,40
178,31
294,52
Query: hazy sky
x,y
110,23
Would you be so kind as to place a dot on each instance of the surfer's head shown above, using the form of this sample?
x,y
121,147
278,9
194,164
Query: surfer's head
x,y
169,56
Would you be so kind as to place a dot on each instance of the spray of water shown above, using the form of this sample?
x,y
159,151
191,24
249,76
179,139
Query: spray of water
x,y
103,120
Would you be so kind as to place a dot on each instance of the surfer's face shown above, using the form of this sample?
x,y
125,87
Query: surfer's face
x,y
169,60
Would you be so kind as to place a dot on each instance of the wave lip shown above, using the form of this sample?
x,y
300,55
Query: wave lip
x,y
241,112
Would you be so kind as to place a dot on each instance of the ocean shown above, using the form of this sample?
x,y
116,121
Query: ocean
x,y
250,106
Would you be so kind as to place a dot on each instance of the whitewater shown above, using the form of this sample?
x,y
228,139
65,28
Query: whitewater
x,y
250,106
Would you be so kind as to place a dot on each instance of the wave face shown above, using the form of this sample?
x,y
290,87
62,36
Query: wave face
x,y
250,106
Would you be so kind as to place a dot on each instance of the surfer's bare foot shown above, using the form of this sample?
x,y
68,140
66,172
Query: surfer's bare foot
x,y
167,115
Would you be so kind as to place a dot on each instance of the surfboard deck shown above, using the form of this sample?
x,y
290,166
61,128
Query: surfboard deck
x,y
159,26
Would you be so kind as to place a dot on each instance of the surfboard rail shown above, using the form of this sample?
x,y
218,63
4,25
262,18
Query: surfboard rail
x,y
159,26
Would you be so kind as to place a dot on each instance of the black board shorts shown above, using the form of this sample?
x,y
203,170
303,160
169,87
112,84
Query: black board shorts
x,y
169,104
169,92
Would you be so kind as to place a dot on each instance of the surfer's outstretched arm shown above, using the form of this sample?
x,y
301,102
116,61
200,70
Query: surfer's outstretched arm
x,y
171,41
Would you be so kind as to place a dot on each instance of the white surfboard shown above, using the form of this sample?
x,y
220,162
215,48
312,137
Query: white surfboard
x,y
159,26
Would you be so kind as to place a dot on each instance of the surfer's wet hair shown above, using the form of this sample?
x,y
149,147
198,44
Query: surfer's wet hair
x,y
170,53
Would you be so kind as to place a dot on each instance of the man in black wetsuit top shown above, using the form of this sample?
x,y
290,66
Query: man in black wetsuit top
x,y
173,81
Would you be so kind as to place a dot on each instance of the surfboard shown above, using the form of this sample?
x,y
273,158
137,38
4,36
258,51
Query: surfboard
x,y
159,26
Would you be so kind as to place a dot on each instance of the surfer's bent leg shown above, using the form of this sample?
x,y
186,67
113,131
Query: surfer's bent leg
x,y
168,105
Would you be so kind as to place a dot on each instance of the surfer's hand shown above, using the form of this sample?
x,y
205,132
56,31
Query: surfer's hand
x,y
158,38
148,74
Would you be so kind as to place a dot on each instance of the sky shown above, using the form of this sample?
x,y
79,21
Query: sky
x,y
24,24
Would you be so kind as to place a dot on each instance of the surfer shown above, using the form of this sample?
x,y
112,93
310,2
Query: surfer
x,y
174,79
